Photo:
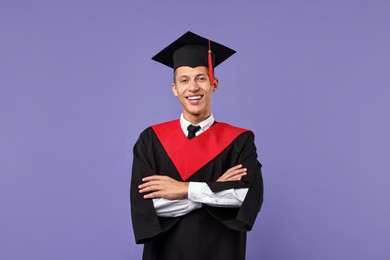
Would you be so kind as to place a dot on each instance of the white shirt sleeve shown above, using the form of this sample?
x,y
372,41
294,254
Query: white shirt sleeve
x,y
174,208
201,193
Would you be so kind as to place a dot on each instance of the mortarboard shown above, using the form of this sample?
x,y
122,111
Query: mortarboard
x,y
193,50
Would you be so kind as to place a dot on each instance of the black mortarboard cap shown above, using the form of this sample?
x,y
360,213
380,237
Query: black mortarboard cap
x,y
192,50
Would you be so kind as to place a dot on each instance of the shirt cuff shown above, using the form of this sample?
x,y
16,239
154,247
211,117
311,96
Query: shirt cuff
x,y
201,192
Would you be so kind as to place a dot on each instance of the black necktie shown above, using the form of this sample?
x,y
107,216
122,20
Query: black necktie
x,y
192,129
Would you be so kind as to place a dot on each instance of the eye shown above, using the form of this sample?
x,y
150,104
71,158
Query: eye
x,y
183,81
201,79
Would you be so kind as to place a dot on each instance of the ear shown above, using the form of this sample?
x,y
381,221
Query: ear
x,y
174,89
215,86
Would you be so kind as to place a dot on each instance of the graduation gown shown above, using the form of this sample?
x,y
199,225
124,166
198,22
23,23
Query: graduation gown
x,y
211,233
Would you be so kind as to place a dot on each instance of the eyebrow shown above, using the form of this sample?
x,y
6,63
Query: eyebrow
x,y
197,75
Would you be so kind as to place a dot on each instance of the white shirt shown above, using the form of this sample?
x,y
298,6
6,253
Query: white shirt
x,y
199,192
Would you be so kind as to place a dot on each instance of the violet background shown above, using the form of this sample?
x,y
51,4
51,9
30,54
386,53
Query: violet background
x,y
77,86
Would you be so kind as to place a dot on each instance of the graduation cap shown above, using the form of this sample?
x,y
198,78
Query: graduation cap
x,y
193,50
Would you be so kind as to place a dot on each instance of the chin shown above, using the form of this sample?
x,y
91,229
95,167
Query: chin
x,y
198,113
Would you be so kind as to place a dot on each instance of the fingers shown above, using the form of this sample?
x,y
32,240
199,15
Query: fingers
x,y
233,174
152,195
151,188
236,177
155,178
152,183
148,187
238,166
159,186
148,183
234,171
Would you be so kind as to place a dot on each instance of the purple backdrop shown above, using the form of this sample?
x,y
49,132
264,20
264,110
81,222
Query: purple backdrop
x,y
311,79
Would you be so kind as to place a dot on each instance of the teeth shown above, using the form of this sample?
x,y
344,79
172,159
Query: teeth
x,y
194,97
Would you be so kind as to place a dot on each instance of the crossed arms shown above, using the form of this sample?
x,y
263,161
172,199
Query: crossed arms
x,y
172,198
159,186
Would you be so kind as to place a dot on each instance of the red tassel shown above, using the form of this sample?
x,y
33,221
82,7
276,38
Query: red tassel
x,y
210,63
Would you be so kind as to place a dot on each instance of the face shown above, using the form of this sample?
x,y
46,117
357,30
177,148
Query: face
x,y
192,87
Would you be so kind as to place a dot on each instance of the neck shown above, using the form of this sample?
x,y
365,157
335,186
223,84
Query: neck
x,y
195,119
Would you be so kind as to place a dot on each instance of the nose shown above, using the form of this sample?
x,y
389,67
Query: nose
x,y
193,87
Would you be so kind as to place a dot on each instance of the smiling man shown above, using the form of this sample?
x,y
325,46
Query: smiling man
x,y
196,185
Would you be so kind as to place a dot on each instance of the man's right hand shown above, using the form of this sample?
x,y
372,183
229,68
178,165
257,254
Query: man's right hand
x,y
233,174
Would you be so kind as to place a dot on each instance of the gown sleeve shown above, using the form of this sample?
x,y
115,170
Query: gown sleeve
x,y
242,218
146,224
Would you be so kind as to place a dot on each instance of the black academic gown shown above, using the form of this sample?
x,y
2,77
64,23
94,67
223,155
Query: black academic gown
x,y
208,233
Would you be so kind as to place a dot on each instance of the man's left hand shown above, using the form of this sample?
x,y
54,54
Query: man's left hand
x,y
158,186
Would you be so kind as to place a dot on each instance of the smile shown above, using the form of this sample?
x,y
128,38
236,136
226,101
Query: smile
x,y
195,97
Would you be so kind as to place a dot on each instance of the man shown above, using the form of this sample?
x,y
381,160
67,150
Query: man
x,y
196,185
